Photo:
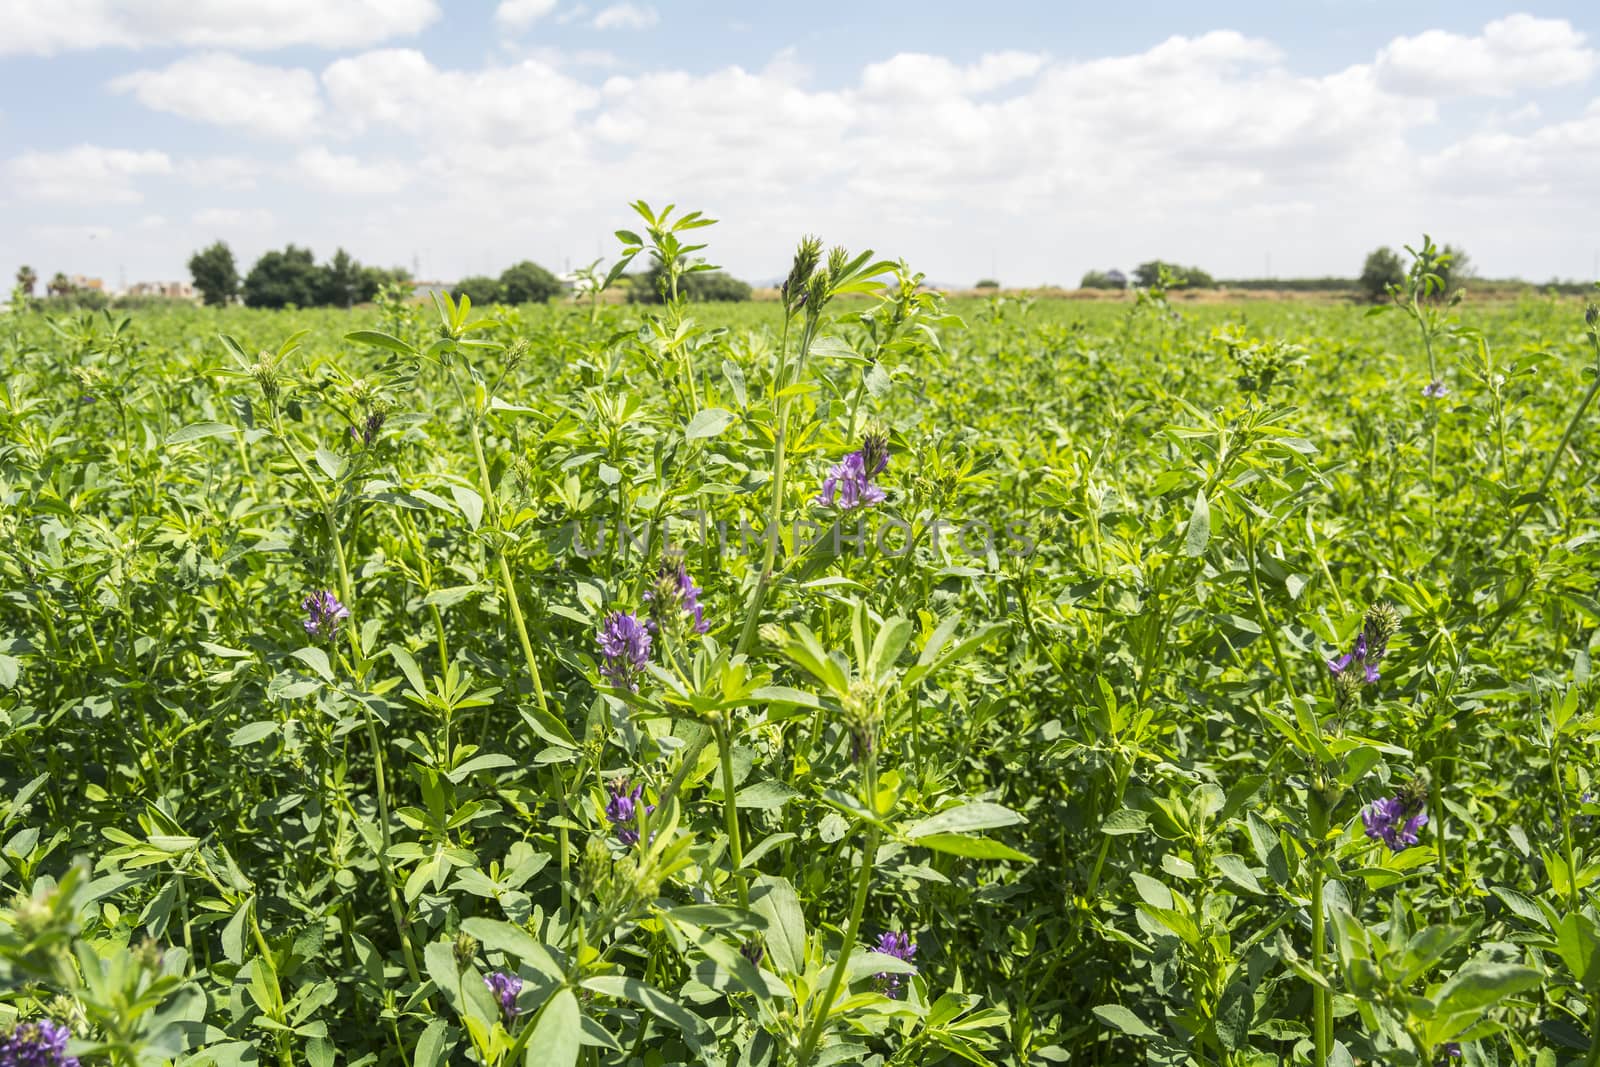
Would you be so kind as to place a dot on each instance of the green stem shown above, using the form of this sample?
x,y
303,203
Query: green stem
x,y
506,579
1566,436
729,809
758,592
1261,607
1322,1024
400,924
813,1034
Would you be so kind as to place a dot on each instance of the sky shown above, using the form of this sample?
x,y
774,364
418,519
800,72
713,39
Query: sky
x,y
1028,142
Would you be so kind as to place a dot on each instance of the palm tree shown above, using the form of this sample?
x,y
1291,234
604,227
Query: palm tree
x,y
26,280
59,285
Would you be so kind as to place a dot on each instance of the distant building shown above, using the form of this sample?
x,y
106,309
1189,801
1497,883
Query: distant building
x,y
79,281
167,290
423,290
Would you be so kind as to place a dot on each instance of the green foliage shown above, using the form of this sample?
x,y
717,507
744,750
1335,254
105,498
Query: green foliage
x,y
700,286
1381,273
214,274
284,279
527,283
1148,275
482,290
293,278
1099,279
987,283
1058,706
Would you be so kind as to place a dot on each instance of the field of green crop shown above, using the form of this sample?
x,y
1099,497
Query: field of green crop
x,y
850,679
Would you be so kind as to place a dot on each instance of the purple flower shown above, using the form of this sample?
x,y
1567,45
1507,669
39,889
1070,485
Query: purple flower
x,y
1450,1050
323,612
39,1044
901,947
849,484
675,589
754,951
1358,653
1395,820
625,644
622,808
368,432
1436,390
505,986
1372,643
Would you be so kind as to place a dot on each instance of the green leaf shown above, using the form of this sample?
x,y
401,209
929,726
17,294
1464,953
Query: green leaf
x,y
978,848
1199,530
774,899
708,423
557,1035
1477,986
1120,1018
500,936
380,340
250,733
979,815
316,659
695,1031
470,503
197,431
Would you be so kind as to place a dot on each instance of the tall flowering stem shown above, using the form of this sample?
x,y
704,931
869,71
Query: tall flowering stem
x,y
858,906
359,663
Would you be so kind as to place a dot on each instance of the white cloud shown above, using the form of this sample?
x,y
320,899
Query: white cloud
x,y
69,25
1516,52
520,14
626,17
225,90
400,88
347,174
87,173
228,218
221,172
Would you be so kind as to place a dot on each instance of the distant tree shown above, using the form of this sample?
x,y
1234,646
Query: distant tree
x,y
987,283
339,281
1148,275
528,283
374,279
1457,269
703,286
59,285
215,274
279,279
1381,270
1107,279
482,290
26,280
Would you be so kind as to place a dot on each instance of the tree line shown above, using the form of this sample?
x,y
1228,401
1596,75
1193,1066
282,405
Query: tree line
x,y
1382,268
288,277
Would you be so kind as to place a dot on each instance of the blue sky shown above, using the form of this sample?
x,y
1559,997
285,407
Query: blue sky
x,y
1032,141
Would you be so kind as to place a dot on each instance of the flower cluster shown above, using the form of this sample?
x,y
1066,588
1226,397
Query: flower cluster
x,y
1396,820
622,811
901,947
1371,644
1436,390
323,612
505,986
40,1044
368,432
676,591
1449,1052
625,644
849,484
